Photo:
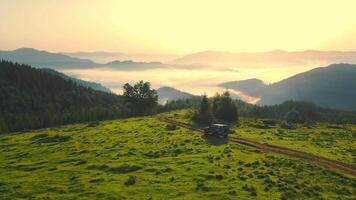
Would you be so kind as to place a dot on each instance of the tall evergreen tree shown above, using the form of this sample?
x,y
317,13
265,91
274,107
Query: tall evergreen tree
x,y
224,108
204,115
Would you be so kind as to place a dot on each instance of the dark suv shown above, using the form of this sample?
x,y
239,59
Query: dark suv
x,y
217,130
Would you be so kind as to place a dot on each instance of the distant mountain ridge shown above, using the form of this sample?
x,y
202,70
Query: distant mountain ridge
x,y
38,58
271,58
128,65
250,87
333,86
170,94
44,59
104,56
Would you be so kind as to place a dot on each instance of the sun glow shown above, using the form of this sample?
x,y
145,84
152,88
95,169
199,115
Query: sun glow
x,y
179,26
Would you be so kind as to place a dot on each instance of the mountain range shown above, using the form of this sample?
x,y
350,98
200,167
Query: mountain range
x,y
333,86
129,65
272,58
38,58
104,56
44,59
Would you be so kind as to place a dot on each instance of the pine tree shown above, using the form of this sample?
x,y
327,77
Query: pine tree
x,y
204,115
224,108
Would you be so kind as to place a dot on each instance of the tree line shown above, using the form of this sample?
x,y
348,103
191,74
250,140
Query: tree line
x,y
291,111
220,108
32,98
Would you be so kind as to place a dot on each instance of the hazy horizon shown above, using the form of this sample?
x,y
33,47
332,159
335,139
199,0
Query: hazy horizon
x,y
178,27
168,31
201,73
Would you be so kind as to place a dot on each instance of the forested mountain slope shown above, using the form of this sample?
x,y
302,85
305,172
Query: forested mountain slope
x,y
333,86
87,84
31,98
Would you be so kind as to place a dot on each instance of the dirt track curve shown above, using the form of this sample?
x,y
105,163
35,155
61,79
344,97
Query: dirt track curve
x,y
327,163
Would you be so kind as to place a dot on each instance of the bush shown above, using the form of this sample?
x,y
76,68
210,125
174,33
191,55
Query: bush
x,y
250,189
171,127
269,122
131,180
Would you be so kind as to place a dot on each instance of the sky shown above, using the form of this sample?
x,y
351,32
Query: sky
x,y
178,26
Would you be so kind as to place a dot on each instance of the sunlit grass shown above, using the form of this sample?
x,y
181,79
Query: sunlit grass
x,y
139,158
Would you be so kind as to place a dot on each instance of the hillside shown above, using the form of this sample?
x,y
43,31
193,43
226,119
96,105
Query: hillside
x,y
141,158
332,86
251,87
272,58
170,94
87,84
30,98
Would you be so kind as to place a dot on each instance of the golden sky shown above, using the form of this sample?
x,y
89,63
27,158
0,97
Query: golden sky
x,y
178,26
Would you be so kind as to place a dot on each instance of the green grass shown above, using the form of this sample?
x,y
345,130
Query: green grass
x,y
336,142
139,158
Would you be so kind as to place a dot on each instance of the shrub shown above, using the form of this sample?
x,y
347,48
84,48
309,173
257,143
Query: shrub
x,y
53,139
131,180
171,127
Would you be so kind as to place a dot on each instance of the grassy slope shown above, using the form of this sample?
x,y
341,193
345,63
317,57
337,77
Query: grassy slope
x,y
94,161
336,142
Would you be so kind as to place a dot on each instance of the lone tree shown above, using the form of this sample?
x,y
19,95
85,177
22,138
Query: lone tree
x,y
141,96
204,115
224,108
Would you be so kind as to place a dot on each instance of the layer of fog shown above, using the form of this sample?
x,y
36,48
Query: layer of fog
x,y
197,80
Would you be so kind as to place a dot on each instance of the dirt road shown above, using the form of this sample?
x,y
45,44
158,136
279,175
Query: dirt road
x,y
324,162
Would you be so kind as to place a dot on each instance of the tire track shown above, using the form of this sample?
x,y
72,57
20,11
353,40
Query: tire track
x,y
321,161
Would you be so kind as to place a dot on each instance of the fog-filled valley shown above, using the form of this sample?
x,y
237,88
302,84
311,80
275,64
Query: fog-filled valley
x,y
179,99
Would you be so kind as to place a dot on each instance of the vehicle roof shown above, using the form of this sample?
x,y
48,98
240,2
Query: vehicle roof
x,y
220,125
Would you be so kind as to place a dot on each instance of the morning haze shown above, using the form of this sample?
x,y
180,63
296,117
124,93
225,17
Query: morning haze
x,y
129,99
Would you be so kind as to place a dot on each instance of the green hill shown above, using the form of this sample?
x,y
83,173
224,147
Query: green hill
x,y
31,98
139,158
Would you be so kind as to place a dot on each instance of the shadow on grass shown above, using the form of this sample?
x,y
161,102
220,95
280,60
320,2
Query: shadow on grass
x,y
213,140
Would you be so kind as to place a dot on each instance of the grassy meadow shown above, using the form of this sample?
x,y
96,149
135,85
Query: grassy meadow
x,y
336,142
142,158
